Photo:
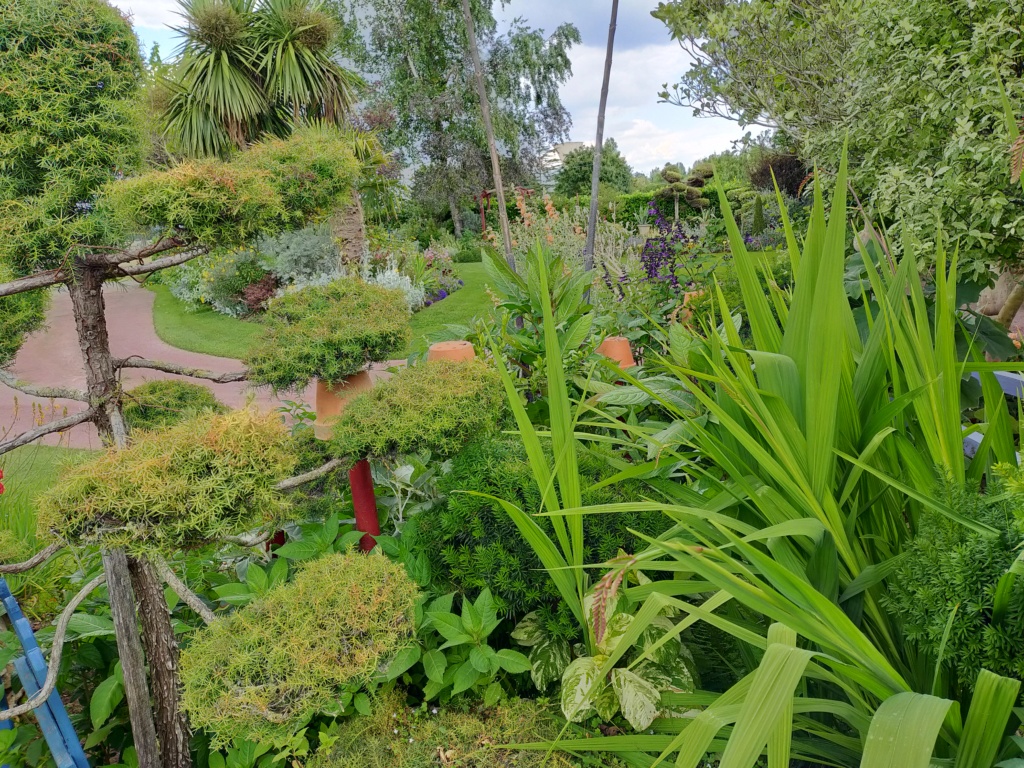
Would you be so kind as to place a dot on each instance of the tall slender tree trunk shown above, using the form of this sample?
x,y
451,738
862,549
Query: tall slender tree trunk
x,y
492,145
349,227
162,652
129,651
595,175
89,309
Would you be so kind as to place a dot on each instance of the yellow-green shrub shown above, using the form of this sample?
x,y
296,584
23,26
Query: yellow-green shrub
x,y
328,332
263,671
176,488
437,406
396,737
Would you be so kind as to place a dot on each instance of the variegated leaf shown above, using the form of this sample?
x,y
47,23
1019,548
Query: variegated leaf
x,y
578,689
639,699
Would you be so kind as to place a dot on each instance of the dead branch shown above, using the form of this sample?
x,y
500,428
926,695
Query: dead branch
x,y
32,282
181,370
58,393
155,266
308,477
54,426
38,558
112,256
56,651
190,598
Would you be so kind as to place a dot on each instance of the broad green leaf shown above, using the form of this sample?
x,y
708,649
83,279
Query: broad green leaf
x,y
578,682
465,678
278,572
234,593
105,699
257,580
362,704
303,549
403,661
548,660
606,703
472,621
484,659
450,627
529,631
513,661
434,665
903,731
638,699
87,625
987,719
492,694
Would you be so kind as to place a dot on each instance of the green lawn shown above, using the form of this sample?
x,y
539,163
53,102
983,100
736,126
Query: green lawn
x,y
468,302
204,330
212,333
28,471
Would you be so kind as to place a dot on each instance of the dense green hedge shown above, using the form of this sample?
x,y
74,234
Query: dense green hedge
x,y
472,543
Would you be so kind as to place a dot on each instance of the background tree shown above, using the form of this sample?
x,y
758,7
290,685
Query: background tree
x,y
247,69
575,175
914,86
688,189
416,55
72,208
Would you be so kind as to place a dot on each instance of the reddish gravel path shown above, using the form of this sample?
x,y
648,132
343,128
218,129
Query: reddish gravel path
x,y
51,358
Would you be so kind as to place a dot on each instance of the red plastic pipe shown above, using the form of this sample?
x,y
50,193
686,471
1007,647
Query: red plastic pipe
x,y
365,503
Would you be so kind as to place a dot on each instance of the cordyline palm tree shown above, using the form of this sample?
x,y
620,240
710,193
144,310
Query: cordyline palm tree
x,y
250,68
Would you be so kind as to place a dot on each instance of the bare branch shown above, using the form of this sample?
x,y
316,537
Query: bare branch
x,y
249,540
308,477
38,558
32,282
155,266
54,426
190,598
59,393
113,256
56,651
181,370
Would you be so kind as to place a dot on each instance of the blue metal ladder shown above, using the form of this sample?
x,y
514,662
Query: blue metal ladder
x,y
31,668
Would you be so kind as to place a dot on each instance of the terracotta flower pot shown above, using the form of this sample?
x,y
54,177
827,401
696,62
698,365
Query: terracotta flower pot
x,y
617,349
331,399
451,350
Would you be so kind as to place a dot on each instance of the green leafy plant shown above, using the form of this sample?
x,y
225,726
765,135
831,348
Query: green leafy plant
x,y
329,333
657,663
452,655
436,406
165,402
263,671
176,488
471,543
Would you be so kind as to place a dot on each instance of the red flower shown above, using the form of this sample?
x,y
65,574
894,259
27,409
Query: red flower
x,y
1,478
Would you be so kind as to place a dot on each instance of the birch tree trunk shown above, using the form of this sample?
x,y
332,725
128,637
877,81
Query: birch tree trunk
x,y
485,110
595,174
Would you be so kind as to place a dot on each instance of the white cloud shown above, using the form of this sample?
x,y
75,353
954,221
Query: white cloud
x,y
649,134
151,14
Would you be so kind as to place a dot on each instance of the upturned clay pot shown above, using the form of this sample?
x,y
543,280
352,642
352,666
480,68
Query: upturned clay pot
x,y
331,399
451,350
617,349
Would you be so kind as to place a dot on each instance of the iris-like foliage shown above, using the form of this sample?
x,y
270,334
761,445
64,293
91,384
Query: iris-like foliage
x,y
437,406
177,488
329,333
262,672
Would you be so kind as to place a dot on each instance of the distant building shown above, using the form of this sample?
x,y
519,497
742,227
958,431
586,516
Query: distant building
x,y
551,162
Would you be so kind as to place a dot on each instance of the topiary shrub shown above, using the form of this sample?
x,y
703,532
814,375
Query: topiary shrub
x,y
328,332
789,172
176,488
395,736
166,402
262,672
471,542
437,406
949,566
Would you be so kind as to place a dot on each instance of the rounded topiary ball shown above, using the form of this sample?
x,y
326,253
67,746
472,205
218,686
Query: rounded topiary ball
x,y
437,406
328,332
262,672
166,402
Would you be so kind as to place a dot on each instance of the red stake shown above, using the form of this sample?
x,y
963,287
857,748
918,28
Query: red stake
x,y
365,503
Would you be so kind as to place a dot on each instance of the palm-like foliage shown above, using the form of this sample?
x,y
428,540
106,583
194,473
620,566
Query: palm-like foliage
x,y
248,68
820,448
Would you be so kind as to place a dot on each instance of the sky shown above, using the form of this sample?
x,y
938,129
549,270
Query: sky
x,y
649,134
